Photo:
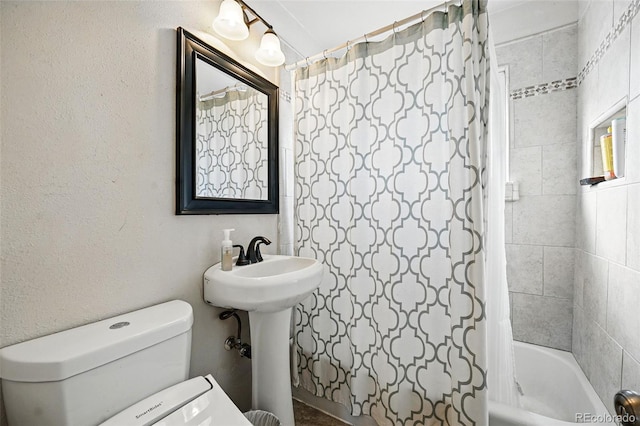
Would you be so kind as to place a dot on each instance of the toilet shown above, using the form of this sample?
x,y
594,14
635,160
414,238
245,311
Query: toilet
x,y
127,370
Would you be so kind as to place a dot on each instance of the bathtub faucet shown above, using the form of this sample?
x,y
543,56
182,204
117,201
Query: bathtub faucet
x,y
627,405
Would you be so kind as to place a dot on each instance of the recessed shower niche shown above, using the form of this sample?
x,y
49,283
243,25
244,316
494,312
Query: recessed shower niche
x,y
606,156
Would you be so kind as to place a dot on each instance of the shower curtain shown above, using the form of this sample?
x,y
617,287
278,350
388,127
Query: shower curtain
x,y
501,377
391,151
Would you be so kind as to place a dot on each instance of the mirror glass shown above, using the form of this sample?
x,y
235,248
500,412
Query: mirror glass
x,y
231,137
227,129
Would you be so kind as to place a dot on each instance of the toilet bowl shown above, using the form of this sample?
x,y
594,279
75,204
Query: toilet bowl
x,y
133,366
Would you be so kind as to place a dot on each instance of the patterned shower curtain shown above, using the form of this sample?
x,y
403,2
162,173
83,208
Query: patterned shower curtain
x,y
390,196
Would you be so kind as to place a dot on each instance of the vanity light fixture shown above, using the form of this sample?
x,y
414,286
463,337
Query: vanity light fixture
x,y
232,23
269,52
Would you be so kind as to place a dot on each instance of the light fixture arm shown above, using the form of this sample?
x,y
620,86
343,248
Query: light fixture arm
x,y
256,18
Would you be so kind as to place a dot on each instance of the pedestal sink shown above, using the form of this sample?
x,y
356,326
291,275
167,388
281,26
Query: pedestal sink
x,y
268,291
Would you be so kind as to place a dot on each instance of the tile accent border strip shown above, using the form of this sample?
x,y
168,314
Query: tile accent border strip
x,y
544,88
624,20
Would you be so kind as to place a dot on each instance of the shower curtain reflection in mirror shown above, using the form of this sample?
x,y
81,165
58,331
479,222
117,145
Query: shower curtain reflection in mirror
x,y
231,144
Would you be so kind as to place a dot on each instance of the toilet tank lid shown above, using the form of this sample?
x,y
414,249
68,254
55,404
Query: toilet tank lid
x,y
70,352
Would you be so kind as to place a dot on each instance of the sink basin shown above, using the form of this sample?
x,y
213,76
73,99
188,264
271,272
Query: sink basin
x,y
268,290
276,283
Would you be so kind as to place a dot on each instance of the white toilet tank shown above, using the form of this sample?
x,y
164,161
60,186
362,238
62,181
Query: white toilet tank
x,y
87,374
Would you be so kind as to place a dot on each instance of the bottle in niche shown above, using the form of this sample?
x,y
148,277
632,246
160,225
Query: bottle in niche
x,y
606,147
618,136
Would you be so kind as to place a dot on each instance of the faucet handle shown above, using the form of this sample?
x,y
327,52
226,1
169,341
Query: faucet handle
x,y
242,259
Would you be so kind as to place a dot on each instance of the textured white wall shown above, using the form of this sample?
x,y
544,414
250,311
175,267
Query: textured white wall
x,y
88,167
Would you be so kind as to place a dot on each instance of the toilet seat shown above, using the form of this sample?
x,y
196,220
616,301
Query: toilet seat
x,y
198,401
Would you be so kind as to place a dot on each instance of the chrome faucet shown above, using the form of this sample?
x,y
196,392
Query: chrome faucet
x,y
253,250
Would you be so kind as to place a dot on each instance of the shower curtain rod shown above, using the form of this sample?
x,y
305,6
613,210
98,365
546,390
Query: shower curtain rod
x,y
235,88
310,59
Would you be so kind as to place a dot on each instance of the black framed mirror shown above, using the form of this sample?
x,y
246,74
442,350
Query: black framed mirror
x,y
227,134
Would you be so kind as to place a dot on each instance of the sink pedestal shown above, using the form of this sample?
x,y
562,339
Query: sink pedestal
x,y
270,364
268,290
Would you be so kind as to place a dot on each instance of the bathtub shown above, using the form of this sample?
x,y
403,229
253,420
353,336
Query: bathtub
x,y
556,392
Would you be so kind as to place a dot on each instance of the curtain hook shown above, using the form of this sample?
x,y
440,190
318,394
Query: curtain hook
x,y
394,26
422,18
307,60
365,39
348,47
324,53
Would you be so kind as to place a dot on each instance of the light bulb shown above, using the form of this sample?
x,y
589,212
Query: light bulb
x,y
230,22
269,52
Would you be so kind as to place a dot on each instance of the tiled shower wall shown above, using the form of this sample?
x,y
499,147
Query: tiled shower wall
x,y
606,339
540,226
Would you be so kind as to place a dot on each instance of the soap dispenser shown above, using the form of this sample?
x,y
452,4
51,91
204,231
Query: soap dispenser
x,y
226,250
